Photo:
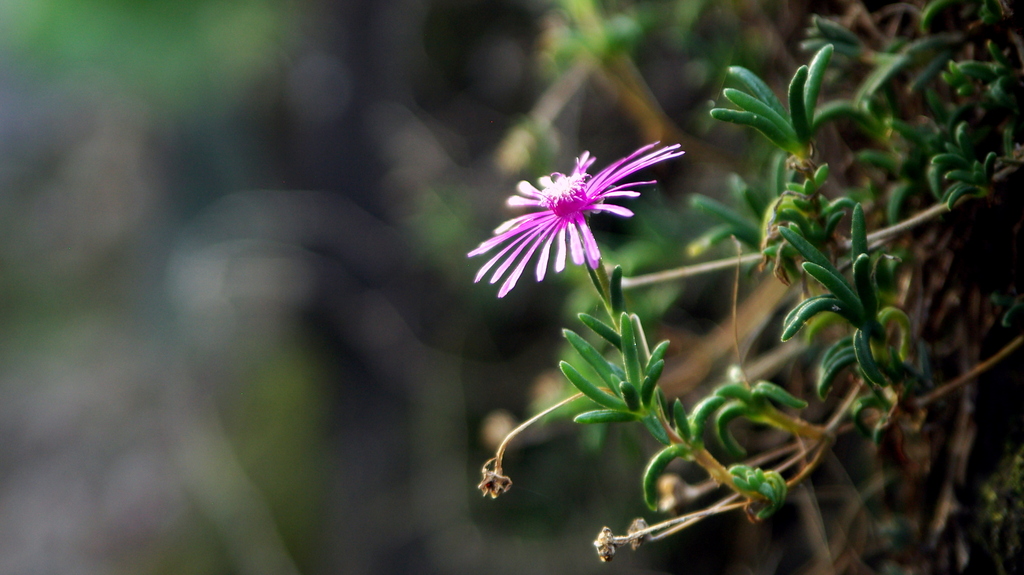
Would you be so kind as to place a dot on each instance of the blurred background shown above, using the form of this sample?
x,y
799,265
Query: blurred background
x,y
238,329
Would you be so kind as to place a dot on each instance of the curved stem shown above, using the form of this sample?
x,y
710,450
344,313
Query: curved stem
x,y
522,426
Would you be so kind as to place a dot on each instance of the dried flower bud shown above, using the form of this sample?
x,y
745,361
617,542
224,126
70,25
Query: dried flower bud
x,y
637,526
606,545
493,483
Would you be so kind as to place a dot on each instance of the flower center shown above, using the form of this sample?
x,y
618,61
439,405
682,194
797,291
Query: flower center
x,y
566,195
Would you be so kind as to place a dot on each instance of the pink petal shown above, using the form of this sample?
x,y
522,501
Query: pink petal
x,y
617,210
560,257
545,253
622,193
517,201
527,240
575,247
495,258
592,251
513,278
528,190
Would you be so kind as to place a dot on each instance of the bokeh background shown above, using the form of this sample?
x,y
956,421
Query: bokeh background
x,y
238,330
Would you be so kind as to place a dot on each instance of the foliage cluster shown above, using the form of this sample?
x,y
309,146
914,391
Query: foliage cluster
x,y
888,172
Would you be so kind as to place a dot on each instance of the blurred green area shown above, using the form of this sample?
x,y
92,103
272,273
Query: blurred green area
x,y
175,54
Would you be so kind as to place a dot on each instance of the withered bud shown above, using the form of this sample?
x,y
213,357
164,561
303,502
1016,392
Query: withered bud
x,y
493,483
636,526
606,545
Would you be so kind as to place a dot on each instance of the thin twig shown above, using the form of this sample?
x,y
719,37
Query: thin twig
x,y
875,239
508,438
687,271
919,402
494,482
673,526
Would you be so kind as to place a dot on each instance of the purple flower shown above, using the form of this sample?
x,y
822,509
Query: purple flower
x,y
563,201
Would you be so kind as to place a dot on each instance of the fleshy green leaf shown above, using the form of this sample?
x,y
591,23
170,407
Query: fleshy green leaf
x,y
654,470
777,394
797,111
757,87
630,354
728,413
605,416
592,356
592,391
836,284
602,329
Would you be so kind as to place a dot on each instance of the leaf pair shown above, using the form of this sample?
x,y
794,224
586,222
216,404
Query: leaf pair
x,y
762,110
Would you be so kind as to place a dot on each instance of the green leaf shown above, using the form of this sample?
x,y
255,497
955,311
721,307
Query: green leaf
x,y
630,395
865,285
728,413
618,300
651,382
809,252
836,33
932,9
868,367
858,408
807,309
679,417
831,369
777,394
751,104
966,176
757,87
794,216
735,390
643,352
593,357
951,161
815,77
701,412
605,416
836,348
832,223
978,70
630,355
654,470
658,355
836,283
592,391
1013,314
602,329
963,140
858,233
759,123
958,191
797,111
653,425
